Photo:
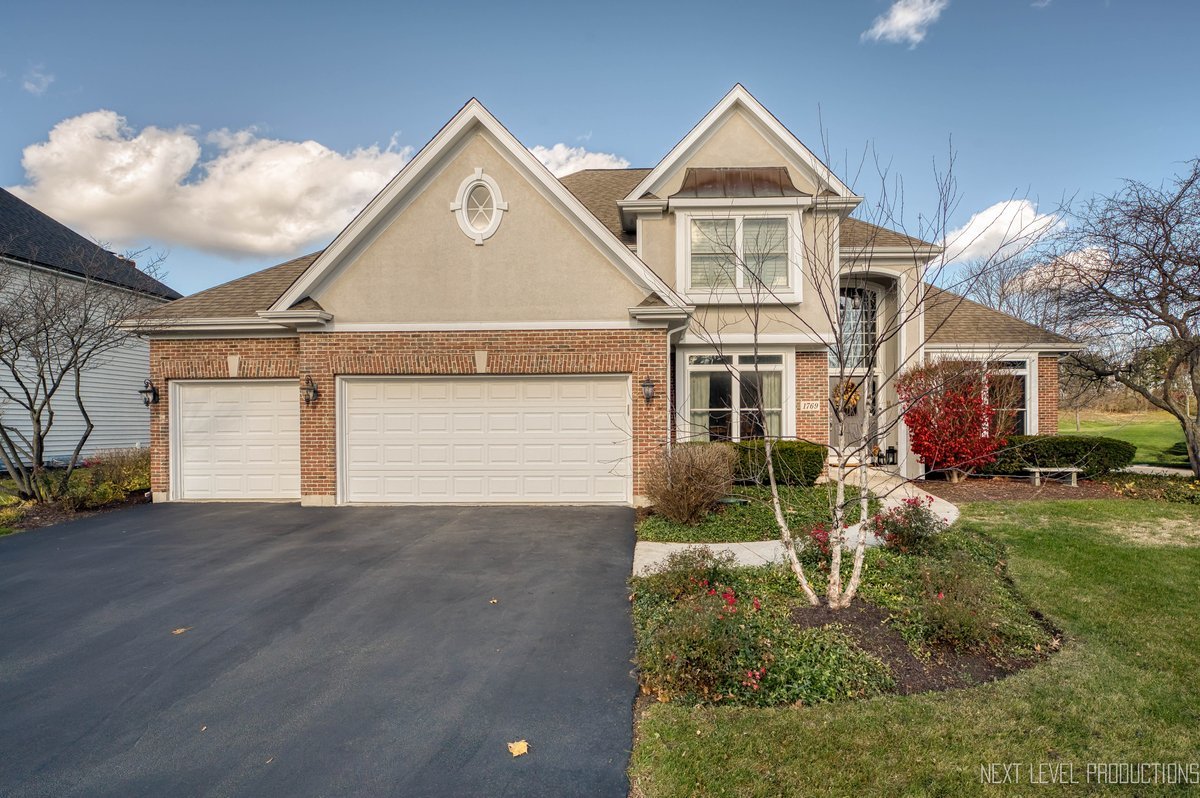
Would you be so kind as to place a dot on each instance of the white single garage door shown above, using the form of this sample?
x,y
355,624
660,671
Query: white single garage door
x,y
236,439
486,439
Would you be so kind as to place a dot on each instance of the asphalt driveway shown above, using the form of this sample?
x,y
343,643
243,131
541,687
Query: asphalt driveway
x,y
325,651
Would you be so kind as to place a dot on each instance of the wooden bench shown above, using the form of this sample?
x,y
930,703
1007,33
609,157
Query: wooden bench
x,y
1035,474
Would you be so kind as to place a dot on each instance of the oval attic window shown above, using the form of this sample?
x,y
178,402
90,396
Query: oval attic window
x,y
479,206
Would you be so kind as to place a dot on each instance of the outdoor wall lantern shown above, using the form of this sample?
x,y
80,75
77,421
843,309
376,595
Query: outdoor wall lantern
x,y
648,389
149,394
891,455
308,390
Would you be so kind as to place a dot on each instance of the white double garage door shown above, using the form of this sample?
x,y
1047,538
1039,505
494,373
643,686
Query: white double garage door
x,y
425,440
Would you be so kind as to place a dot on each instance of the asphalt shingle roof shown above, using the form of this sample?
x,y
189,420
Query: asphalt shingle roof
x,y
953,319
240,298
949,318
28,235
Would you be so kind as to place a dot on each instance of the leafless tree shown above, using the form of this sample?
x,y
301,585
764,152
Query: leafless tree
x,y
1130,266
861,332
55,327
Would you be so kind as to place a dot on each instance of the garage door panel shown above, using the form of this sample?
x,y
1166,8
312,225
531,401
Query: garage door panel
x,y
491,439
238,439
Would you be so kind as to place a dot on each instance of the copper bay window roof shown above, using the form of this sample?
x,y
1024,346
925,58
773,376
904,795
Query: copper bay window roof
x,y
729,182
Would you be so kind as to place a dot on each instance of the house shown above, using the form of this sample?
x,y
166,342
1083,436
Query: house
x,y
484,332
34,246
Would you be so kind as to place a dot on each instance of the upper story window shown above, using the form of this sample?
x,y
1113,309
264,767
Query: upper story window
x,y
740,256
857,311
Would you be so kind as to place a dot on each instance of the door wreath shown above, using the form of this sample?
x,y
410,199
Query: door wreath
x,y
847,396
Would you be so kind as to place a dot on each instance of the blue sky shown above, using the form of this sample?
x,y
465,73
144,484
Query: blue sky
x,y
210,103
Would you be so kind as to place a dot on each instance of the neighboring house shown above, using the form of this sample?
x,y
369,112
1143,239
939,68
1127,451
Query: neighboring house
x,y
484,332
35,246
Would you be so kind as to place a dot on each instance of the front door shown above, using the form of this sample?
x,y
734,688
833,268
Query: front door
x,y
856,398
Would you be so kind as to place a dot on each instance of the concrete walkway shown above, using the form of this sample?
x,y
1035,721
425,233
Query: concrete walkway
x,y
1158,471
891,490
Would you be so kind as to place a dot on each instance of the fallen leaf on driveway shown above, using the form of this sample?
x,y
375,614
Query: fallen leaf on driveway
x,y
519,748
203,728
180,630
494,601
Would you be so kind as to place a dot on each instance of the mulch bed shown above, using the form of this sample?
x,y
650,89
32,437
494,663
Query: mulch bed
x,y
946,669
42,515
1007,489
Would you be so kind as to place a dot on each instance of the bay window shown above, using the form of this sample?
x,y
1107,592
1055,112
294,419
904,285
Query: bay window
x,y
735,397
730,253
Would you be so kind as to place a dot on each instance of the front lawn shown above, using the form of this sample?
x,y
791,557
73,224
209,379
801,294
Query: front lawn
x,y
1152,432
1117,576
753,519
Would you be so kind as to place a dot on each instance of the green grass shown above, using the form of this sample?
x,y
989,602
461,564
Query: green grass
x,y
1125,687
755,520
1151,432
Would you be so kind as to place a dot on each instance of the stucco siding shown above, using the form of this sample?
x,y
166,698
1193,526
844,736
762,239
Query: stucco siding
x,y
421,267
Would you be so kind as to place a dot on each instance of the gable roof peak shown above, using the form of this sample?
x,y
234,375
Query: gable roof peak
x,y
407,182
740,97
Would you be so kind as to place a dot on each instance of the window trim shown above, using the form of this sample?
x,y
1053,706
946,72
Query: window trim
x,y
739,295
683,410
1029,372
460,210
879,295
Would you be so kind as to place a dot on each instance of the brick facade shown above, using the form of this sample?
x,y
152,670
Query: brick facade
x,y
812,385
323,356
196,359
1047,390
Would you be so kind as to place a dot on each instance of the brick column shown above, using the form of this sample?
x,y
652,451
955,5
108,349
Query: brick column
x,y
812,385
1048,395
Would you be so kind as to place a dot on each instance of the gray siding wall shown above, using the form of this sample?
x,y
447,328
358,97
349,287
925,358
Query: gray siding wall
x,y
111,398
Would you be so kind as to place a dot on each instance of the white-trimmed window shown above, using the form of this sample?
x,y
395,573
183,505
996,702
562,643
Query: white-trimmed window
x,y
735,255
1012,380
857,311
479,206
735,396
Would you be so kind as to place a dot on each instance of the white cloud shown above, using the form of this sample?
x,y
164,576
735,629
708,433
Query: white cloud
x,y
247,196
1040,3
1001,230
231,192
36,80
906,21
563,160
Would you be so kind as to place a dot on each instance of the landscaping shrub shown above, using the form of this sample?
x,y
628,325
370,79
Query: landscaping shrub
x,y
10,515
797,463
1155,487
955,594
1094,454
1177,449
910,528
959,607
730,639
752,518
684,570
127,469
686,480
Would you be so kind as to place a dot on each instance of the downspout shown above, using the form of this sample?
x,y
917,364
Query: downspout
x,y
671,333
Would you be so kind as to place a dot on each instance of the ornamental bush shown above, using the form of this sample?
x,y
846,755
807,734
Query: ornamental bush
x,y
686,480
797,463
1095,455
731,639
910,528
952,411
